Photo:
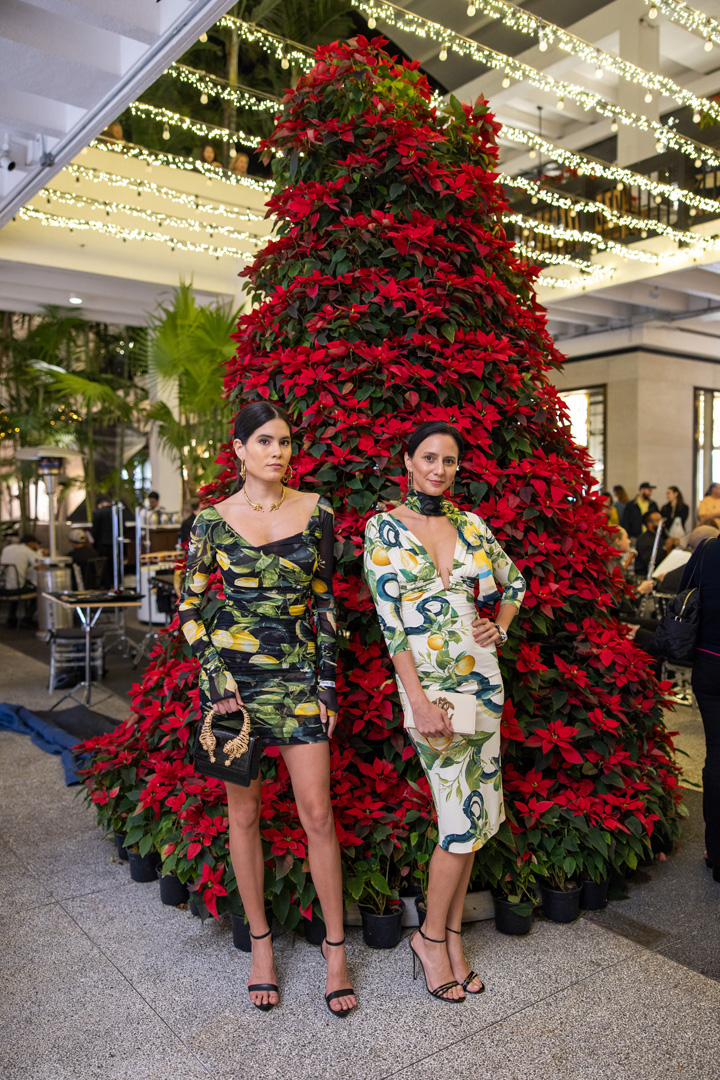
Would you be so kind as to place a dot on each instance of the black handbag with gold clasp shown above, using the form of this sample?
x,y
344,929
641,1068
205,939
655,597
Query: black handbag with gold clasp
x,y
226,754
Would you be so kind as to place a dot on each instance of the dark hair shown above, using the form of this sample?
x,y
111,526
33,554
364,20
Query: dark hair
x,y
713,484
28,538
252,417
153,495
102,499
647,516
678,494
434,427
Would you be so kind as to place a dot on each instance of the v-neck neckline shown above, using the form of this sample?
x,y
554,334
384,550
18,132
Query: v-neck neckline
x,y
420,544
280,540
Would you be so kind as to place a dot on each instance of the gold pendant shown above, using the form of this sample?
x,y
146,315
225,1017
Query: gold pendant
x,y
261,509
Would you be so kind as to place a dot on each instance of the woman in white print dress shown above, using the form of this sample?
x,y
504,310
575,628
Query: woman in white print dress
x,y
423,562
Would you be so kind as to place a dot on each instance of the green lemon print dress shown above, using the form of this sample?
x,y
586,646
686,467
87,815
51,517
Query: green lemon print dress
x,y
417,613
261,638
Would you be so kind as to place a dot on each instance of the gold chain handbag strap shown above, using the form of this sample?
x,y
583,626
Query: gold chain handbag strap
x,y
235,748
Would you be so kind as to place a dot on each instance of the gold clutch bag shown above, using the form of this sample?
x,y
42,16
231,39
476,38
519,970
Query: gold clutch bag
x,y
459,707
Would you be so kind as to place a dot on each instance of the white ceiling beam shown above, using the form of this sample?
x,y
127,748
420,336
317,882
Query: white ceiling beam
x,y
695,283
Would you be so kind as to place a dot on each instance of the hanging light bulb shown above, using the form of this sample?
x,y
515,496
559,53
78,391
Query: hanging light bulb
x,y
599,72
561,104
648,97
203,98
653,12
614,124
643,234
698,163
284,63
506,82
708,45
533,154
658,199
203,38
166,132
442,55
372,22
697,117
693,211
542,41
659,147
619,186
471,9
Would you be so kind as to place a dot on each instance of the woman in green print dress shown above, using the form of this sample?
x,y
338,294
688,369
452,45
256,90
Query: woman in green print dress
x,y
258,648
423,562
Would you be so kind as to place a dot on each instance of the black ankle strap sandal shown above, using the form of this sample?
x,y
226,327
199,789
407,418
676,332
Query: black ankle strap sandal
x,y
439,992
334,994
254,987
472,975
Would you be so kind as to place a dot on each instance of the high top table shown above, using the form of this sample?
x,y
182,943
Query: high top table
x,y
89,603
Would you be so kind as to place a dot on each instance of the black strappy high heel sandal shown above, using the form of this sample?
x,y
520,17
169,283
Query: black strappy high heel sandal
x,y
334,994
268,1005
439,991
472,975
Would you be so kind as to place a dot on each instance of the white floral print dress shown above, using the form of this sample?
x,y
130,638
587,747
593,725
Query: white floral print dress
x,y
417,613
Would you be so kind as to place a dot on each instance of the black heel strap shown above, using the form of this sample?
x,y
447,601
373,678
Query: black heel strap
x,y
435,941
450,929
259,937
334,942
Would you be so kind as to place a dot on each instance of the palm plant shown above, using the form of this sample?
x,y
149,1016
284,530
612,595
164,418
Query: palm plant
x,y
186,348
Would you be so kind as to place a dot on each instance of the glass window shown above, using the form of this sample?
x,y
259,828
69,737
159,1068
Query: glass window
x,y
707,440
587,423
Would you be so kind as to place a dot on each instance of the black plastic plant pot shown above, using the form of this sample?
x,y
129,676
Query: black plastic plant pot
x,y
508,920
193,907
616,880
594,895
241,933
314,930
561,905
382,931
143,867
122,851
172,891
410,888
421,908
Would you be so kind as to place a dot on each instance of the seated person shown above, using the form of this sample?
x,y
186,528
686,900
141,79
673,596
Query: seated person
x,y
19,557
646,541
670,582
87,559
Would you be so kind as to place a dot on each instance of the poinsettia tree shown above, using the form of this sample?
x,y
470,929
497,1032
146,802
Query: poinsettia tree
x,y
390,294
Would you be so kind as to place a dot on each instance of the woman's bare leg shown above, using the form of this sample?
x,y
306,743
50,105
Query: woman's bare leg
x,y
309,768
460,966
247,861
449,875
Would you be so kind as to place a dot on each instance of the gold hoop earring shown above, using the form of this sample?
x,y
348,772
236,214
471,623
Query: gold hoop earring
x,y
242,469
289,473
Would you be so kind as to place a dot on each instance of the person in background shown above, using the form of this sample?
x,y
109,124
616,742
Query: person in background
x,y
643,503
150,514
709,508
20,558
208,155
612,514
621,499
705,564
240,163
675,509
86,558
187,523
652,521
102,535
670,581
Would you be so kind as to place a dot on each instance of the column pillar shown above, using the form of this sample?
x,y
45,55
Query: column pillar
x,y
640,44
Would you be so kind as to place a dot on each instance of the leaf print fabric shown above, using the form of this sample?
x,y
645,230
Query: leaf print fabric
x,y
261,639
417,613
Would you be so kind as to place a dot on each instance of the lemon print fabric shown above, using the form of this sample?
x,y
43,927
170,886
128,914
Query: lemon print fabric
x,y
273,635
417,613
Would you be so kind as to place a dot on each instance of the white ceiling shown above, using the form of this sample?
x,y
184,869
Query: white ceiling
x,y
69,67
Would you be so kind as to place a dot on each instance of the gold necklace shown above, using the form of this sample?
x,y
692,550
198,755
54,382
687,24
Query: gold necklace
x,y
258,507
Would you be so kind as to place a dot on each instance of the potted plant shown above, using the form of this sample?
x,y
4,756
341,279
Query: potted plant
x,y
514,897
381,908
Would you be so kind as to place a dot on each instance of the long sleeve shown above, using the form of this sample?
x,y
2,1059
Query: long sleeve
x,y
384,588
323,598
200,562
504,571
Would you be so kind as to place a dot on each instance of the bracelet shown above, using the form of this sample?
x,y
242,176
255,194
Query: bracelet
x,y
502,633
326,684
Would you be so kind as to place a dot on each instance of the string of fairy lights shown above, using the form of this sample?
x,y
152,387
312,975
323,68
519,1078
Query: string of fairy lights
x,y
169,119
547,34
697,22
182,198
208,86
212,173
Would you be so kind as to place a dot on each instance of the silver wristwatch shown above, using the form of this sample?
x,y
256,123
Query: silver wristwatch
x,y
502,633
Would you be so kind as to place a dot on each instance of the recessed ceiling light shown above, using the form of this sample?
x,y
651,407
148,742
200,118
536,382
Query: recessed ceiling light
x,y
75,300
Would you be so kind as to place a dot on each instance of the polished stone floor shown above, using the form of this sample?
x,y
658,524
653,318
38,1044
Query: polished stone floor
x,y
99,980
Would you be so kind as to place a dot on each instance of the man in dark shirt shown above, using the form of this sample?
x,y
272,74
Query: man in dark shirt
x,y
102,532
643,503
646,541
87,559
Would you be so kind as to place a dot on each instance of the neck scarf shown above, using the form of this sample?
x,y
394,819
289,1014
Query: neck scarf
x,y
436,506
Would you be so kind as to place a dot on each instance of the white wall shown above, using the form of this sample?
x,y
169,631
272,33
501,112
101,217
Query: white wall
x,y
649,432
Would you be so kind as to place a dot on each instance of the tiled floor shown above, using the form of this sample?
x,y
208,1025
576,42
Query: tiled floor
x,y
100,980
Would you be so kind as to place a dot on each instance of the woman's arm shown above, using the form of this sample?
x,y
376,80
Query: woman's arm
x,y
223,688
513,584
385,590
323,598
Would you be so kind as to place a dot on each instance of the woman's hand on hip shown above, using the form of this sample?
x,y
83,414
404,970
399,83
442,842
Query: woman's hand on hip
x,y
327,719
228,705
431,720
485,632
